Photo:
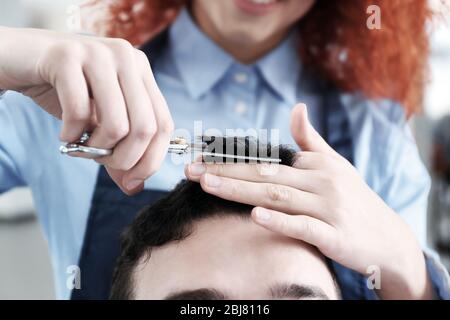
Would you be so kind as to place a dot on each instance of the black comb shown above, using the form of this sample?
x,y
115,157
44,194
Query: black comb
x,y
222,149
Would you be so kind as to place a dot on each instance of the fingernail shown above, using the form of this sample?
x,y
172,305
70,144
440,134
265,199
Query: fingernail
x,y
262,214
133,184
199,159
212,181
197,169
304,107
297,160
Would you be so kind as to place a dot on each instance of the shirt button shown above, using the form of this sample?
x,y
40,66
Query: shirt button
x,y
240,77
240,108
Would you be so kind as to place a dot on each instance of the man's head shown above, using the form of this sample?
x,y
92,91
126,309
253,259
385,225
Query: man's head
x,y
192,245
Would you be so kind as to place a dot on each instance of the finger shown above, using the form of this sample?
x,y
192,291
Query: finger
x,y
74,99
268,173
147,165
117,177
308,160
142,121
154,155
301,227
112,117
268,195
304,134
162,112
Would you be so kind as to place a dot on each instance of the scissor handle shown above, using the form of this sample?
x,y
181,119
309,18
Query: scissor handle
x,y
91,152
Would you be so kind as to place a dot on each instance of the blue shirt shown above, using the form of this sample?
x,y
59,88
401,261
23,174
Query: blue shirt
x,y
209,85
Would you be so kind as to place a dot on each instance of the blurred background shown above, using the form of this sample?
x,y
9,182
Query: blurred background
x,y
22,242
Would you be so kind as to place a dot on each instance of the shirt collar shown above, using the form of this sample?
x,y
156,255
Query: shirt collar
x,y
281,68
192,49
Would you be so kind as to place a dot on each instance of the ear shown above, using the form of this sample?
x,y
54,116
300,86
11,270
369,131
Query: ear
x,y
307,138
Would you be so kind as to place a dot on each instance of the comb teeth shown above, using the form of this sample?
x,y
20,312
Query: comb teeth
x,y
238,149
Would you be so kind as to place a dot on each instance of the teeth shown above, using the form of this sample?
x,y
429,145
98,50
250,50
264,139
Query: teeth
x,y
262,1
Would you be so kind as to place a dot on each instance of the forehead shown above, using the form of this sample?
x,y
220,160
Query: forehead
x,y
233,255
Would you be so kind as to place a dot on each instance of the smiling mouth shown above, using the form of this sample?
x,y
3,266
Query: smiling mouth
x,y
257,7
262,1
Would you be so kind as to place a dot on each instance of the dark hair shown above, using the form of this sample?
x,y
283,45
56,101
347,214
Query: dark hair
x,y
171,219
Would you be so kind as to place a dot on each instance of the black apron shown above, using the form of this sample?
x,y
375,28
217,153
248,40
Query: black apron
x,y
112,210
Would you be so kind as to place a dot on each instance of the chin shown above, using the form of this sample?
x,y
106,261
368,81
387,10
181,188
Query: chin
x,y
250,34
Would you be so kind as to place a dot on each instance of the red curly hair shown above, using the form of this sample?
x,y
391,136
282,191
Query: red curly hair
x,y
387,63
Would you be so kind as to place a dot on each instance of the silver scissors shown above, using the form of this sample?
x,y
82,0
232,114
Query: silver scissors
x,y
80,146
178,145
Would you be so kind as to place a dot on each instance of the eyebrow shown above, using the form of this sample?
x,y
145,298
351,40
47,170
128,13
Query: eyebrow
x,y
279,291
297,291
198,294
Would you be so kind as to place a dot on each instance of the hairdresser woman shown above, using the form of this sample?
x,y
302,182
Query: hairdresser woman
x,y
232,64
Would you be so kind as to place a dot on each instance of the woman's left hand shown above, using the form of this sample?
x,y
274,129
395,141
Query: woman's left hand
x,y
323,200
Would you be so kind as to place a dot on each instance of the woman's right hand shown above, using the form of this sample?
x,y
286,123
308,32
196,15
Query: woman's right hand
x,y
101,85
